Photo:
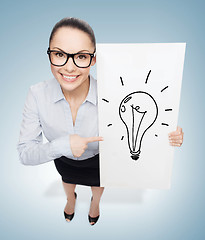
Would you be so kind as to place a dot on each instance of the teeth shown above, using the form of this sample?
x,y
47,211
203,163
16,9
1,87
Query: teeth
x,y
69,77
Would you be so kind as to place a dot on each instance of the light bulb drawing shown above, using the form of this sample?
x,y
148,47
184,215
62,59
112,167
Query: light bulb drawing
x,y
138,111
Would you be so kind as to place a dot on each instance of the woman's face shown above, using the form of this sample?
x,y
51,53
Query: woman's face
x,y
71,41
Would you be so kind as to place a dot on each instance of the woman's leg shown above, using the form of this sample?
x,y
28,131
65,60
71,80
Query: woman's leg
x,y
94,206
69,190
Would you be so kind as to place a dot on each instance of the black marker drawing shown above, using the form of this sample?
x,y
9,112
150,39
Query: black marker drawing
x,y
165,124
121,81
105,100
138,111
147,76
164,88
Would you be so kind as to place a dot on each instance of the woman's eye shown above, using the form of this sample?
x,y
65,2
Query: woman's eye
x,y
59,54
82,56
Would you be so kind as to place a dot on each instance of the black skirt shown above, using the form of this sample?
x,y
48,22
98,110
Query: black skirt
x,y
82,172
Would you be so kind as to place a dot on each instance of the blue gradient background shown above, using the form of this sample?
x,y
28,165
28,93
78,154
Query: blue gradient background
x,y
32,198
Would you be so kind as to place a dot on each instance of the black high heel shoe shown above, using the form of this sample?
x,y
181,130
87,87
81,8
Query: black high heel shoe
x,y
91,219
70,216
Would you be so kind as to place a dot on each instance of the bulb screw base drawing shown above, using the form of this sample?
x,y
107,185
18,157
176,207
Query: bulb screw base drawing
x,y
135,155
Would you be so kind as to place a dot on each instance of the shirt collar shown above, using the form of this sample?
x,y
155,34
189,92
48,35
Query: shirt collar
x,y
92,93
58,95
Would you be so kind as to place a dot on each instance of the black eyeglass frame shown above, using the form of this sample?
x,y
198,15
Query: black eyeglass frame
x,y
68,56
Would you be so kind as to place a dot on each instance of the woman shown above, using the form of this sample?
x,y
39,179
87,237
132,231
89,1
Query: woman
x,y
65,110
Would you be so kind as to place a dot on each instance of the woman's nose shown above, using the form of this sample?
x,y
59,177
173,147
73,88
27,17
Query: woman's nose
x,y
70,66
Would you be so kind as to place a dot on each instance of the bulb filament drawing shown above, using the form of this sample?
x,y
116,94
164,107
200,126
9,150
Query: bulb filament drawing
x,y
138,111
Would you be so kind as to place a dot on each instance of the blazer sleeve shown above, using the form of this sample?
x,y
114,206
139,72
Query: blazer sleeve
x,y
31,149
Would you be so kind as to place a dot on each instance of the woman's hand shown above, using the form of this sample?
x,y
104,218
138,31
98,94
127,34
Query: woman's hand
x,y
176,137
79,144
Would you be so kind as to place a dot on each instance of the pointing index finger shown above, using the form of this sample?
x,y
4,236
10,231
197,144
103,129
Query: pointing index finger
x,y
94,139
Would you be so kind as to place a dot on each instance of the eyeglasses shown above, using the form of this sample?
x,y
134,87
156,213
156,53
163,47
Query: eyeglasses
x,y
60,58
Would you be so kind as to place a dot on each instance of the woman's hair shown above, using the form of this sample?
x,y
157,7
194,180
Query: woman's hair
x,y
76,24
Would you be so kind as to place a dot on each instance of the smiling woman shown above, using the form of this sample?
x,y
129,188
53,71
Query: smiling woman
x,y
65,110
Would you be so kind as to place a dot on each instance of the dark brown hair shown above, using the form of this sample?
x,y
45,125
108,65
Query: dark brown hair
x,y
76,24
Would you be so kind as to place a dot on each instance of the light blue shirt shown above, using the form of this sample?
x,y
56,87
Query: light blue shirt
x,y
47,111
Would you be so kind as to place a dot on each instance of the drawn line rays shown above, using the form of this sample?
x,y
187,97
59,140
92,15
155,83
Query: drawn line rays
x,y
168,109
164,88
147,76
121,81
105,100
110,124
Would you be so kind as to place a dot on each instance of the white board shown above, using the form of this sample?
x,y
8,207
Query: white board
x,y
138,98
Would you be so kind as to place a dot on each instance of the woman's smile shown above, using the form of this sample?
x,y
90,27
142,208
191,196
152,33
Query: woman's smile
x,y
69,78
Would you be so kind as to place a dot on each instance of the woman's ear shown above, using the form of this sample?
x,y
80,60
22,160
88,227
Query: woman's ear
x,y
93,61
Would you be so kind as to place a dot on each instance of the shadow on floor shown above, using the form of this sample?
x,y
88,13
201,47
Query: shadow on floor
x,y
110,195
